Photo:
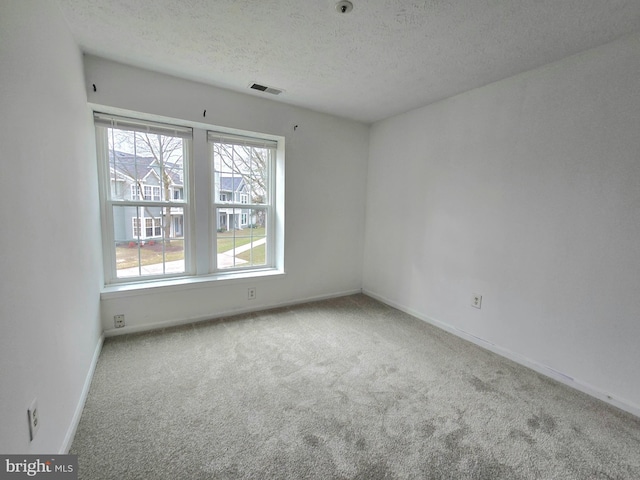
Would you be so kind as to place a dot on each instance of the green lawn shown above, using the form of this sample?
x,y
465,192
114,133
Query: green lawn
x,y
242,237
127,257
258,255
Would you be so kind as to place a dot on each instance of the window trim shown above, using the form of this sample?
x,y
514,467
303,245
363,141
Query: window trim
x,y
102,123
197,164
236,203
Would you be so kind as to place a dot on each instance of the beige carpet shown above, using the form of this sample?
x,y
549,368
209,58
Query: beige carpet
x,y
347,389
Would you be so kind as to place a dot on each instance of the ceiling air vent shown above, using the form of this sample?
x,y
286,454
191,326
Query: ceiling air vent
x,y
262,88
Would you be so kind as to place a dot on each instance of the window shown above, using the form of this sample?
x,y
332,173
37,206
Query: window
x,y
152,193
245,167
152,228
148,202
136,227
132,153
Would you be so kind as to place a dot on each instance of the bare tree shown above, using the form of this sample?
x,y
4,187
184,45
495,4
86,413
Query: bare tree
x,y
167,152
167,163
251,164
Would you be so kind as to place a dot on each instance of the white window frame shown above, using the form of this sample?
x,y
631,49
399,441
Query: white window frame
x,y
271,207
135,227
156,227
154,192
103,122
200,263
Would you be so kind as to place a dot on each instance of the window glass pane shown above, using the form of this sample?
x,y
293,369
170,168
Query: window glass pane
x,y
241,237
241,172
148,241
144,166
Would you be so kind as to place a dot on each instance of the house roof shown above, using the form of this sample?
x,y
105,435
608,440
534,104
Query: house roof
x,y
231,184
128,166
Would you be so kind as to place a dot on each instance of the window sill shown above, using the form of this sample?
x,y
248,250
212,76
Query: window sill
x,y
183,283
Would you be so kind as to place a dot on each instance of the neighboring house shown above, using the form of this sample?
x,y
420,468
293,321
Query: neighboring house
x,y
145,223
233,190
140,178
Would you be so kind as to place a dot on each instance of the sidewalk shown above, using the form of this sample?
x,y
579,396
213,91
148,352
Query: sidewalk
x,y
225,260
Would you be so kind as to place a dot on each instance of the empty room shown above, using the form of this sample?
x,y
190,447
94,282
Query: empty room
x,y
320,239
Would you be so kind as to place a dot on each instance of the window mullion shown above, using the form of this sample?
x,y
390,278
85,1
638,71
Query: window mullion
x,y
200,194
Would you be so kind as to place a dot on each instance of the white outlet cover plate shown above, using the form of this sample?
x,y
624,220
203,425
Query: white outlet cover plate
x,y
476,301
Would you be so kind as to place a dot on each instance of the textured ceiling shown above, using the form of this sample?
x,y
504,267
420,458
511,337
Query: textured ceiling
x,y
383,58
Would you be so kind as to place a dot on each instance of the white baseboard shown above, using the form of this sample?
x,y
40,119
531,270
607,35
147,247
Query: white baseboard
x,y
184,321
75,421
577,384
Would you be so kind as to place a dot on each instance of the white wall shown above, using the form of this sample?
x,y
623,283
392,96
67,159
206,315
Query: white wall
x,y
49,240
526,191
324,201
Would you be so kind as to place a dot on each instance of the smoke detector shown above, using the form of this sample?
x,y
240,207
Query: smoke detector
x,y
345,6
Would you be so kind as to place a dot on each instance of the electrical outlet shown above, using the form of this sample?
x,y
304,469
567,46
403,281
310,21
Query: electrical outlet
x,y
476,300
251,293
34,419
118,320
